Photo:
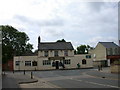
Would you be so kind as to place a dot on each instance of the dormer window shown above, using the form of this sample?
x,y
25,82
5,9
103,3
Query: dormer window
x,y
46,53
65,53
55,53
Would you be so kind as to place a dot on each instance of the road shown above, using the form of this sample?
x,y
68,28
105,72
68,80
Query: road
x,y
80,78
76,79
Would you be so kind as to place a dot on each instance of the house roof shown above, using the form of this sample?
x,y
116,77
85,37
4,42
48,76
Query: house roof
x,y
109,44
55,46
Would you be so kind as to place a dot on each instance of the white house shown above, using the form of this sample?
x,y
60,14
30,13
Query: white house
x,y
53,55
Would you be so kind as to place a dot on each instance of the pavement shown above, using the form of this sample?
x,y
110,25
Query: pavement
x,y
40,84
13,80
19,80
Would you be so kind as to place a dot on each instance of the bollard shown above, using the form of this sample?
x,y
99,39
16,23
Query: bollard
x,y
4,73
98,68
13,71
24,72
31,75
101,67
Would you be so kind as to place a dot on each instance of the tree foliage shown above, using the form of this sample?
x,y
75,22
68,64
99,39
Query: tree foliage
x,y
14,43
62,40
83,49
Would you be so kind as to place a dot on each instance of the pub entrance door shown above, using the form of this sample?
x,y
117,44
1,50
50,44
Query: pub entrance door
x,y
57,64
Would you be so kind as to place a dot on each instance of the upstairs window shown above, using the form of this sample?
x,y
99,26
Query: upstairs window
x,y
27,63
46,53
55,53
65,53
83,61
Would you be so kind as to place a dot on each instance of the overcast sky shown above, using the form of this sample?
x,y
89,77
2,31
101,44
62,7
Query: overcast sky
x,y
75,21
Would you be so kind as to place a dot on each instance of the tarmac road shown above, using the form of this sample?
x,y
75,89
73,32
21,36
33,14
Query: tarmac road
x,y
82,78
79,78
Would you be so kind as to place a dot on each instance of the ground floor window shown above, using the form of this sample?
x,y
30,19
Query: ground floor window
x,y
17,63
34,63
83,61
67,61
27,63
46,62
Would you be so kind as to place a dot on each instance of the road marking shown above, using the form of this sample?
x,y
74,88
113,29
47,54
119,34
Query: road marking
x,y
108,78
97,83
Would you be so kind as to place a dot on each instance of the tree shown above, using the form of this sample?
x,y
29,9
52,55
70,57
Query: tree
x,y
83,49
14,43
62,40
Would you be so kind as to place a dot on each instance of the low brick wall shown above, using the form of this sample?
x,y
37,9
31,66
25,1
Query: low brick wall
x,y
115,68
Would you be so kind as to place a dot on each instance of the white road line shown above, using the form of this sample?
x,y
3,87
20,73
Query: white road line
x,y
97,83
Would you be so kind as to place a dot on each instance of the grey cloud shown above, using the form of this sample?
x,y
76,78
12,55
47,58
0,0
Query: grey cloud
x,y
52,22
96,5
55,33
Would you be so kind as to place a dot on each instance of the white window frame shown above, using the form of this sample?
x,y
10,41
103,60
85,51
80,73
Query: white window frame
x,y
56,53
66,53
67,61
46,62
46,53
28,63
17,63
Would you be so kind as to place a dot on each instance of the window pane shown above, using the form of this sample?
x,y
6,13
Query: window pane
x,y
17,63
66,53
46,62
66,61
83,61
27,63
46,53
34,63
56,53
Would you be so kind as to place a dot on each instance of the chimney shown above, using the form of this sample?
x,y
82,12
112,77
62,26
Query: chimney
x,y
38,39
38,42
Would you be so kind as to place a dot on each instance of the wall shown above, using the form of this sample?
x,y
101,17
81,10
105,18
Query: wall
x,y
22,60
79,58
51,53
74,61
100,53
